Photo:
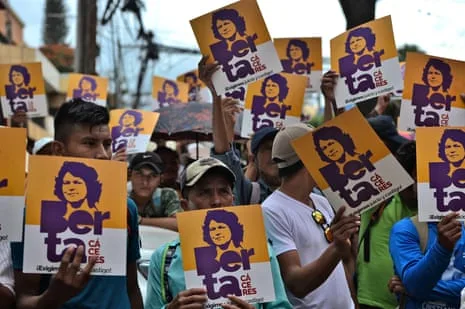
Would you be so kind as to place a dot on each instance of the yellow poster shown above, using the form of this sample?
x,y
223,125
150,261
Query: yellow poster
x,y
225,251
275,101
167,91
237,38
88,87
12,182
350,164
76,202
366,59
431,96
132,129
22,89
302,56
440,172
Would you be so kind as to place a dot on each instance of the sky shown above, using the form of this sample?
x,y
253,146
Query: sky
x,y
436,26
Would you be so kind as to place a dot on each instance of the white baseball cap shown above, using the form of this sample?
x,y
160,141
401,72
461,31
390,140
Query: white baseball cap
x,y
41,143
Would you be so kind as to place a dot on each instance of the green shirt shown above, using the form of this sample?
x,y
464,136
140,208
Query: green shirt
x,y
165,203
373,276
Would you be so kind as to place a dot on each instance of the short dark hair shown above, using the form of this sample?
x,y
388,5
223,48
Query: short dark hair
x,y
291,170
78,112
407,156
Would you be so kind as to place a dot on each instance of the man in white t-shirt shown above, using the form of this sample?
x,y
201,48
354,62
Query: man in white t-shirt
x,y
312,243
7,296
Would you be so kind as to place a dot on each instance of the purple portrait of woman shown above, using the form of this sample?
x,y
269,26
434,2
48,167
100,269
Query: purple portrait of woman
x,y
169,93
297,53
18,91
437,78
86,89
128,127
451,171
344,164
192,80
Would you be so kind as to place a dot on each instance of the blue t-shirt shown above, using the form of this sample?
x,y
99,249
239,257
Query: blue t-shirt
x,y
102,292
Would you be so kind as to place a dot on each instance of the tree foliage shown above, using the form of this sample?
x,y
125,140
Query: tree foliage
x,y
402,51
55,28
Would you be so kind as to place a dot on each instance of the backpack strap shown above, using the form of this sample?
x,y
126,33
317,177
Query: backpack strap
x,y
255,195
167,257
422,230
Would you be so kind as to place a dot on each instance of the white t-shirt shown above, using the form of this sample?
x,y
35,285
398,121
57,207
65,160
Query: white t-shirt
x,y
290,226
6,266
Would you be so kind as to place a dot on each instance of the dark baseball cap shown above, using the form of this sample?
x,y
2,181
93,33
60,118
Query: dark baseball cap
x,y
385,128
147,159
260,136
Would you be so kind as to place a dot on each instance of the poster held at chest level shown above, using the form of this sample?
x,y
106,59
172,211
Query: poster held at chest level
x,y
12,177
350,164
22,89
440,172
225,250
88,87
76,202
431,97
237,38
366,59
302,56
275,101
132,129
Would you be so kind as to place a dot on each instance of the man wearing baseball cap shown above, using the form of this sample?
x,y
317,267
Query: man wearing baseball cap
x,y
156,206
206,183
309,240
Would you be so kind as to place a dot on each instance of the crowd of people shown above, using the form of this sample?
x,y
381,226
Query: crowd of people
x,y
320,258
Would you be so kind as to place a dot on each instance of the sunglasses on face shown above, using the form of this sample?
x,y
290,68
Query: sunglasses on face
x,y
321,221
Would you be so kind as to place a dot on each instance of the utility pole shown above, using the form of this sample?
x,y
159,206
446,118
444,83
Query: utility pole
x,y
86,44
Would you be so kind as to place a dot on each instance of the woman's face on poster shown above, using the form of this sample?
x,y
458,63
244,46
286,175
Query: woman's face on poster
x,y
295,52
454,151
128,120
18,78
220,233
332,149
74,188
226,28
434,77
271,89
357,44
86,85
169,89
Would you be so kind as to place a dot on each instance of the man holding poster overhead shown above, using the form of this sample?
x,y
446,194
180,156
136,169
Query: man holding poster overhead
x,y
206,183
81,130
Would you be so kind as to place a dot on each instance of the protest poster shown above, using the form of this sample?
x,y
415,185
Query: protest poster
x,y
440,172
302,56
198,91
22,89
88,87
225,250
431,96
350,164
76,202
275,101
237,38
366,59
12,183
166,92
132,129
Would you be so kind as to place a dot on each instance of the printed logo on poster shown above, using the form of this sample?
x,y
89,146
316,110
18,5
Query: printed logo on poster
x,y
237,38
88,87
132,129
275,101
431,96
225,250
167,91
76,202
12,183
351,164
366,59
22,89
440,172
302,56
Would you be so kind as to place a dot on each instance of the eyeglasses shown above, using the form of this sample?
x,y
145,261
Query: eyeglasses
x,y
321,221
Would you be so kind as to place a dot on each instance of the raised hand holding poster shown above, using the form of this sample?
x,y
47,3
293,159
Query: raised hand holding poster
x,y
22,89
225,250
275,101
88,87
76,202
132,129
237,38
440,172
12,183
431,96
167,91
302,56
350,164
366,59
